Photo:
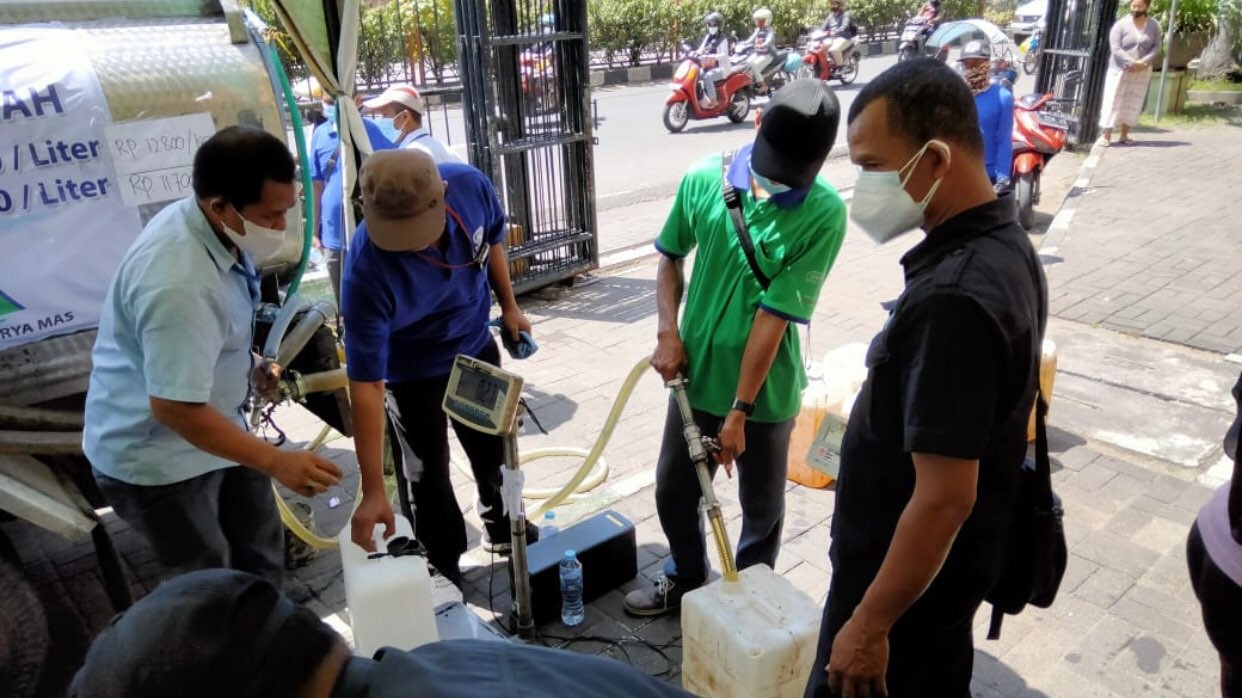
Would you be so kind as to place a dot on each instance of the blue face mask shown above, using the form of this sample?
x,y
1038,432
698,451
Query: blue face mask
x,y
329,113
388,128
772,188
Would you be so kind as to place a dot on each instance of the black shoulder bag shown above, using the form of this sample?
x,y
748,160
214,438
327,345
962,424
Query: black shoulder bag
x,y
1036,553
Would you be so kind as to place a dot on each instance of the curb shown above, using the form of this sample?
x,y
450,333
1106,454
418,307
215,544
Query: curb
x,y
1060,225
609,77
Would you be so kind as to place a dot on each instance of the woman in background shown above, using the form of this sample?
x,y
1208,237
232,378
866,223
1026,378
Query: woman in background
x,y
1134,41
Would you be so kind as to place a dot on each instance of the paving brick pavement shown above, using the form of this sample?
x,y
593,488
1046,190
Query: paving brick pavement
x,y
1153,245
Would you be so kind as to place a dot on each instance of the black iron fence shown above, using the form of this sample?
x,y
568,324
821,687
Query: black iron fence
x,y
1074,60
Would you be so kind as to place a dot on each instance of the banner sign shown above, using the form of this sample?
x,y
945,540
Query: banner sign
x,y
64,226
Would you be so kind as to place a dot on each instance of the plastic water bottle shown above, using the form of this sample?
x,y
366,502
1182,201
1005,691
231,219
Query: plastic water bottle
x,y
572,610
549,527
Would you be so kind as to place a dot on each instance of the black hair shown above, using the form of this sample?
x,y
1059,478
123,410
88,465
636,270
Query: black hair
x,y
295,653
925,100
236,161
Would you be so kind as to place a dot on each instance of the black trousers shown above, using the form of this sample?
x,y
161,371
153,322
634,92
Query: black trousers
x,y
225,518
1221,601
761,488
927,656
418,430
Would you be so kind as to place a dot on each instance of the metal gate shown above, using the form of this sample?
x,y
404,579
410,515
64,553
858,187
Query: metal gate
x,y
525,76
1075,59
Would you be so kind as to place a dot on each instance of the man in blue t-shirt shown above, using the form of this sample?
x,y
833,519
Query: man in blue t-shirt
x,y
995,106
326,181
417,292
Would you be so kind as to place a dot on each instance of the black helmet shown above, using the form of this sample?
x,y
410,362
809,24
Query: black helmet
x,y
713,19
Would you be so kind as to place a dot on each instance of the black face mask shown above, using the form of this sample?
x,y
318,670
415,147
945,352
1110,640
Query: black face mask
x,y
1138,14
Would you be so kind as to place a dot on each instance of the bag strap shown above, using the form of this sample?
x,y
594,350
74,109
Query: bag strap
x,y
733,202
1043,466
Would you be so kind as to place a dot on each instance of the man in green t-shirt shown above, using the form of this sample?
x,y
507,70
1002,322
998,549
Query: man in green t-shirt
x,y
735,343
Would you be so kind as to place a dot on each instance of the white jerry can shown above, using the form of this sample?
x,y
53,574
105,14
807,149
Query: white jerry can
x,y
389,598
753,638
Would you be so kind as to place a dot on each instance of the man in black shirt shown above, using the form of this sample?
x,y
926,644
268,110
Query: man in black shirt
x,y
930,460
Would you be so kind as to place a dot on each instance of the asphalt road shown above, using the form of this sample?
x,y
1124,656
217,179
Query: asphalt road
x,y
637,159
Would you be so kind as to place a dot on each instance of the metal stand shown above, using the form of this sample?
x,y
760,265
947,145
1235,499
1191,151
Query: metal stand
x,y
522,621
698,455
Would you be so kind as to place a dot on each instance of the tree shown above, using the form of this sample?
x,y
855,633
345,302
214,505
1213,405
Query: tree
x,y
1222,53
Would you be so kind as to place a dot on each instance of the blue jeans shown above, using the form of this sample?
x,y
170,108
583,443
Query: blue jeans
x,y
709,78
761,474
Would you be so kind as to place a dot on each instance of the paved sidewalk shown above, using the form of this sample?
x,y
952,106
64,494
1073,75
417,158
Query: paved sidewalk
x,y
1153,244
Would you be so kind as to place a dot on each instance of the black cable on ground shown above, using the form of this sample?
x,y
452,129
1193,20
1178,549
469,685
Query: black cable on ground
x,y
621,645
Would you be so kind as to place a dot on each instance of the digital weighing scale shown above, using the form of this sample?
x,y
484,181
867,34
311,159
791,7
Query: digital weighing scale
x,y
487,398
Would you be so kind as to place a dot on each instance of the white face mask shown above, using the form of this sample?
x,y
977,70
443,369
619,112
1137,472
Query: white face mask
x,y
258,241
713,31
882,207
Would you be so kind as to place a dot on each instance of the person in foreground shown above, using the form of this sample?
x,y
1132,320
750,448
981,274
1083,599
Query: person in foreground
x,y
223,633
737,343
932,454
166,430
418,292
1214,556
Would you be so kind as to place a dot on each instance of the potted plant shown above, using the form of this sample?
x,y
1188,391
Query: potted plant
x,y
1194,26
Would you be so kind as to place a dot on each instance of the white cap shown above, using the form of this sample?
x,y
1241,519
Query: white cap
x,y
405,95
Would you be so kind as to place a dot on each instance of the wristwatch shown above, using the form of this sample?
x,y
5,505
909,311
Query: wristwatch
x,y
746,408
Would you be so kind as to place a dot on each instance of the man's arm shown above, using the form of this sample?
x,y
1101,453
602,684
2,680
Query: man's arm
x,y
1004,137
669,358
317,193
944,495
761,347
367,399
498,277
208,430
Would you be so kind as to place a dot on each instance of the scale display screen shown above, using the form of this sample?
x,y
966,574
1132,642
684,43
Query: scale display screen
x,y
480,388
482,396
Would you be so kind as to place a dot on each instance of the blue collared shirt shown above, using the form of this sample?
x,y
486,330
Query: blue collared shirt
x,y
177,324
326,168
409,315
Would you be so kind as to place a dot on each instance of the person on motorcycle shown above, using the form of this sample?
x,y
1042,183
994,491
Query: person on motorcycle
x,y
762,43
932,14
840,28
714,52
994,104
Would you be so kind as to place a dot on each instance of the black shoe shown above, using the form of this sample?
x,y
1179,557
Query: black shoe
x,y
451,573
662,597
504,546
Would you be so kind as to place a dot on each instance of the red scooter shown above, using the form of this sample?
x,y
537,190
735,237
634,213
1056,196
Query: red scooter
x,y
1040,131
817,60
685,103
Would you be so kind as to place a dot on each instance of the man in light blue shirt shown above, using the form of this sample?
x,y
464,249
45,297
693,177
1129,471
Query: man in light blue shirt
x,y
404,108
165,410
325,170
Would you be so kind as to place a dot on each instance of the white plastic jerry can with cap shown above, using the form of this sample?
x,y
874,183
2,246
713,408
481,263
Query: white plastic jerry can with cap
x,y
389,597
753,638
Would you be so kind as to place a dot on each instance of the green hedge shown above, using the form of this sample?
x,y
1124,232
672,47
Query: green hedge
x,y
624,30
